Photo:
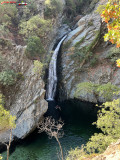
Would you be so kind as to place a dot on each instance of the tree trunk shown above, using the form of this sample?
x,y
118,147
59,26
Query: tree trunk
x,y
8,146
59,146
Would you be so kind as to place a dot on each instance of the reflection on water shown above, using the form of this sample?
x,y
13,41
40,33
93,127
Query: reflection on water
x,y
38,147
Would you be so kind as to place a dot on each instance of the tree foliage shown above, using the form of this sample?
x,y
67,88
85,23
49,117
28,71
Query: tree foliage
x,y
37,67
8,77
109,123
111,15
34,47
7,121
53,7
7,12
107,90
35,26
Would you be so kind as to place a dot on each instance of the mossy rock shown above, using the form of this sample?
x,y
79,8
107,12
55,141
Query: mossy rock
x,y
106,91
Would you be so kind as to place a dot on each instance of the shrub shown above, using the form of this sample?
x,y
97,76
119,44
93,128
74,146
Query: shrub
x,y
109,123
74,8
7,121
90,23
98,143
84,87
7,13
35,26
37,67
34,47
94,61
66,45
82,54
4,32
32,6
53,7
0,157
8,77
79,43
77,153
105,90
114,54
70,7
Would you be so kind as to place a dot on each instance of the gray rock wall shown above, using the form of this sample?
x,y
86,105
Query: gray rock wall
x,y
26,99
73,72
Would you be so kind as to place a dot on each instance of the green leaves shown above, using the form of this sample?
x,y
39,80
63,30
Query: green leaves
x,y
8,77
109,123
98,143
7,121
34,47
0,157
35,26
109,118
53,7
37,67
7,12
105,90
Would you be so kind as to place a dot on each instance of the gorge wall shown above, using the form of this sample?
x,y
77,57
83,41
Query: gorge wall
x,y
88,61
26,98
84,58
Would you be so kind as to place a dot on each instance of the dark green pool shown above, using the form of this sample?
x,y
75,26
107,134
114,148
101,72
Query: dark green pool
x,y
77,131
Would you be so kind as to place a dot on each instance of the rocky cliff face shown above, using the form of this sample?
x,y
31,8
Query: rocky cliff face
x,y
26,98
85,59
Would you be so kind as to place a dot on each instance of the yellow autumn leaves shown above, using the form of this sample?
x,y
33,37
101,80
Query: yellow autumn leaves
x,y
118,62
0,157
7,121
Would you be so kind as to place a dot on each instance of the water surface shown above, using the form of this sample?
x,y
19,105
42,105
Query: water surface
x,y
77,131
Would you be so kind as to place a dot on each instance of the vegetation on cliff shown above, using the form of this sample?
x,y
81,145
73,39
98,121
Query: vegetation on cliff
x,y
7,121
108,122
76,7
35,26
110,15
7,75
34,31
38,66
34,47
53,8
109,114
105,90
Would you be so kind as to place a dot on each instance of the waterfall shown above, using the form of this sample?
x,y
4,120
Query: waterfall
x,y
52,77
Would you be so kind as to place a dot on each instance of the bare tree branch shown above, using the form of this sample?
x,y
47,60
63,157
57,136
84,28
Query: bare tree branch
x,y
53,129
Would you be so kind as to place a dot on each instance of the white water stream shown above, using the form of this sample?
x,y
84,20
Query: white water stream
x,y
52,77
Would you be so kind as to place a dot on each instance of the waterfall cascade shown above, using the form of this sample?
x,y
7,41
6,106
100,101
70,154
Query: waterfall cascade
x,y
52,77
